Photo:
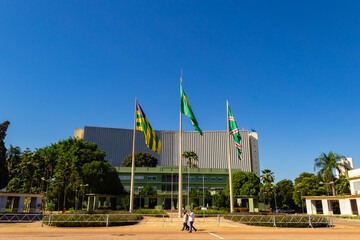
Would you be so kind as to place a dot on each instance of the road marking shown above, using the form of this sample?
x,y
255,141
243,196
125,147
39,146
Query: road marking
x,y
216,235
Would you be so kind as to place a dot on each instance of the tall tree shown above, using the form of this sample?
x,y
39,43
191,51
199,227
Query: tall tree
x,y
285,190
13,158
267,177
63,167
142,159
307,184
244,183
4,173
191,157
327,164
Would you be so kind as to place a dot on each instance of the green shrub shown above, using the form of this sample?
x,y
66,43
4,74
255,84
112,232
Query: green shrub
x,y
67,220
280,221
193,205
155,212
210,211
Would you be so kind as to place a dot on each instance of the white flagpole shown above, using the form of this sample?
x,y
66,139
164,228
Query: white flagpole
x,y
180,161
133,165
229,160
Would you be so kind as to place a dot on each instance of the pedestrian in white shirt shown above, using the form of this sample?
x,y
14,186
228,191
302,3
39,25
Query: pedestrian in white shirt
x,y
185,221
191,220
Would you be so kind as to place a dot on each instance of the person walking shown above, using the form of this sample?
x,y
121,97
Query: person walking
x,y
192,219
185,222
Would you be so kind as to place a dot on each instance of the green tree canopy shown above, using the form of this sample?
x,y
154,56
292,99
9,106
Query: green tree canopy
x,y
4,173
148,191
327,164
222,200
342,185
63,167
142,159
285,190
102,178
13,159
244,184
308,185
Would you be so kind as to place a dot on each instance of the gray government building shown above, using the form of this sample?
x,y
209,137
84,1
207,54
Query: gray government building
x,y
211,148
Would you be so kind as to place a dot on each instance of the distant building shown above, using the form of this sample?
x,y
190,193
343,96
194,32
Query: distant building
x,y
211,148
212,172
349,205
349,162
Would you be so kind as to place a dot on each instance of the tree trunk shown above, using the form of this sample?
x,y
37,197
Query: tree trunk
x,y
333,189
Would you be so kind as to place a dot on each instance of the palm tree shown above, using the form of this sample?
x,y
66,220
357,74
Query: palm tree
x,y
190,156
267,177
327,164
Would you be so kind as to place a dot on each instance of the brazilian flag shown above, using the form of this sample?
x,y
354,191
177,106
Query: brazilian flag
x,y
185,108
142,124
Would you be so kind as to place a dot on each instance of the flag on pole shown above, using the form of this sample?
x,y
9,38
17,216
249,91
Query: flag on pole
x,y
234,131
142,124
185,108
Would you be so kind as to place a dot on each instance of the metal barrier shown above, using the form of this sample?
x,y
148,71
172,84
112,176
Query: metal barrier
x,y
19,218
112,219
280,220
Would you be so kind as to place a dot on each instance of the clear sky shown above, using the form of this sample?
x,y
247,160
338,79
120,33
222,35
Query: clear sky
x,y
290,70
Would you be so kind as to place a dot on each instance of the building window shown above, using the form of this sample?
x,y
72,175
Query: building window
x,y
221,179
189,189
124,177
201,179
151,177
191,178
139,177
168,188
213,179
127,188
201,189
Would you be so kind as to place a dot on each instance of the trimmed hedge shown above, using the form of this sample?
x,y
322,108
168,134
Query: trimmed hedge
x,y
210,211
280,221
81,220
154,212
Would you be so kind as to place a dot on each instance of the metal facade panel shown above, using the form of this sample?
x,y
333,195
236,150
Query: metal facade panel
x,y
211,148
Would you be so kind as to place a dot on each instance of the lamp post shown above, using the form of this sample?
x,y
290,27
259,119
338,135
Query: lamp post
x,y
264,199
188,200
47,189
328,200
302,205
139,188
275,198
171,205
76,199
84,186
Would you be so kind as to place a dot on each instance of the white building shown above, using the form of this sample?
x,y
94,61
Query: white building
x,y
349,204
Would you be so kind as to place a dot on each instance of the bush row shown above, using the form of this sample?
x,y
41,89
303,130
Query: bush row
x,y
82,220
280,221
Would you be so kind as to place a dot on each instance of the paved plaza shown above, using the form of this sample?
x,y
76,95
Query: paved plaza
x,y
156,230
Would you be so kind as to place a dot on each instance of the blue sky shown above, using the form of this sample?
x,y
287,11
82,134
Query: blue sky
x,y
290,70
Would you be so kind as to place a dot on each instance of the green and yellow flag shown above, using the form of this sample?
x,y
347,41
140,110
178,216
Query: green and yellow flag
x,y
142,124
185,108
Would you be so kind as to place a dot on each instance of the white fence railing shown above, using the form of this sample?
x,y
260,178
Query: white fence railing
x,y
275,220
